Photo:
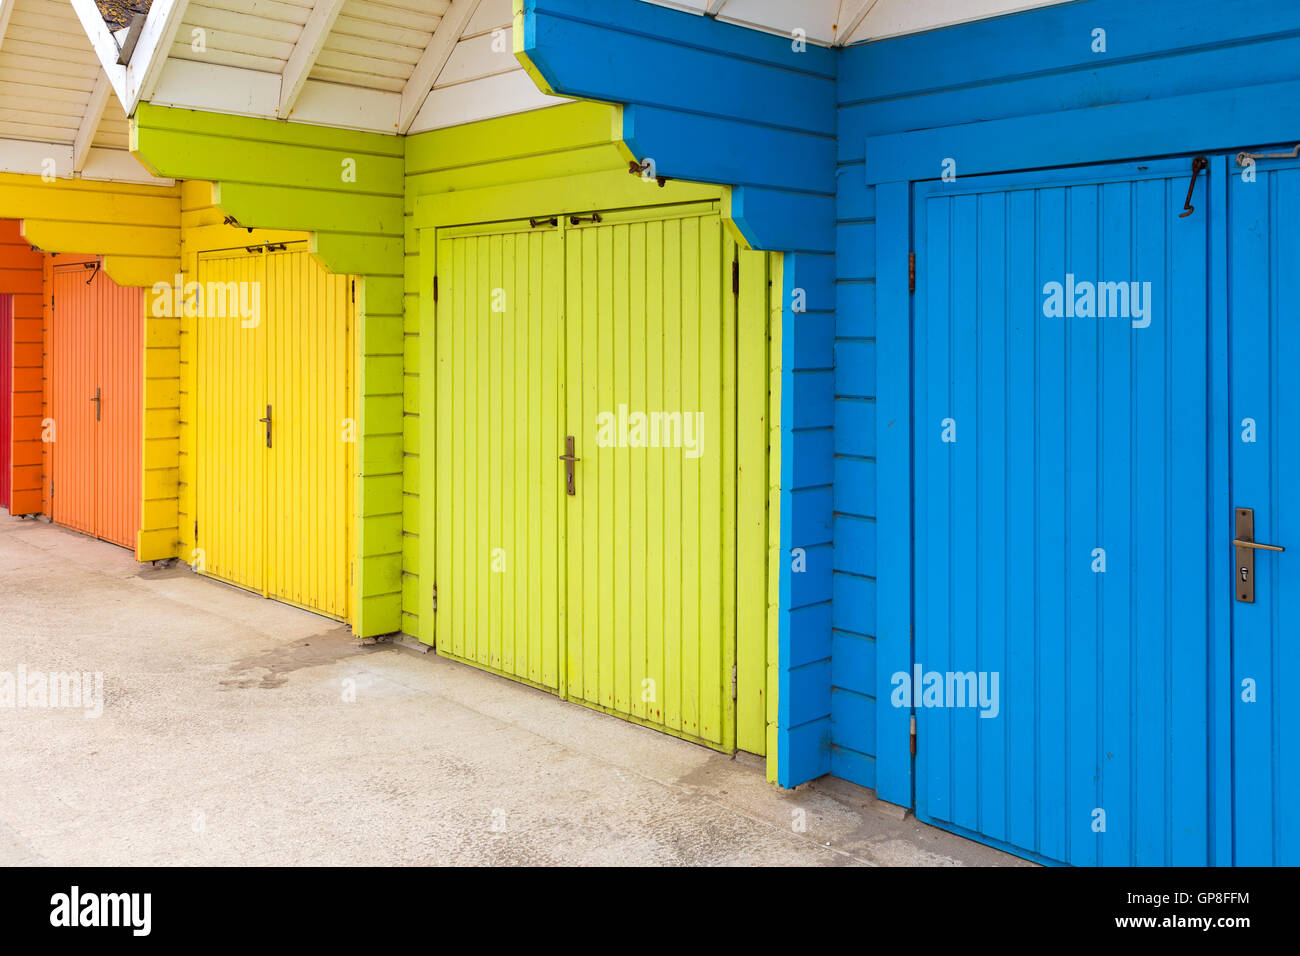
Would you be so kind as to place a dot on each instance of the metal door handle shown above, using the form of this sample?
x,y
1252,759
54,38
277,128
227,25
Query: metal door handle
x,y
1256,545
267,422
1246,545
569,460
98,404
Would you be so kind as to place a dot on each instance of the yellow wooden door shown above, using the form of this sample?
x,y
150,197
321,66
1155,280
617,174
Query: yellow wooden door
x,y
230,464
309,328
274,505
651,529
500,550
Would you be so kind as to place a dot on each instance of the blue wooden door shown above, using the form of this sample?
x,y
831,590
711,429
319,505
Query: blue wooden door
x,y
1264,319
1062,485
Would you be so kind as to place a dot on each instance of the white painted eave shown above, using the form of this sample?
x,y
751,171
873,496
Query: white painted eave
x,y
842,22
393,67
59,115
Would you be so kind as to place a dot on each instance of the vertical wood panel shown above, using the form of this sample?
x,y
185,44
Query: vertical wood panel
x,y
499,436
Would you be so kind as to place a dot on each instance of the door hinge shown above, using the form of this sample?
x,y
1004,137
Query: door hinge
x,y
735,277
51,489
911,272
911,740
435,597
435,288
196,531
354,291
733,681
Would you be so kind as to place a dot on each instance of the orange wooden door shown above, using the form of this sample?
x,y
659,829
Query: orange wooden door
x,y
95,397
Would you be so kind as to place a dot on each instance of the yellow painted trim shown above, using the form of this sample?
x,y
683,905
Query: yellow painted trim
x,y
136,228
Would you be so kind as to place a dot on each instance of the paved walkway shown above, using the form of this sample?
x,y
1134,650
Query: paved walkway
x,y
226,738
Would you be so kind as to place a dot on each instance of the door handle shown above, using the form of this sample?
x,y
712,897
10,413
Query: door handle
x,y
569,460
267,422
1256,545
1246,545
98,404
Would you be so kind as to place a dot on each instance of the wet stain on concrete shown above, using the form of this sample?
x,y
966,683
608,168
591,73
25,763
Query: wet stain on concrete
x,y
269,669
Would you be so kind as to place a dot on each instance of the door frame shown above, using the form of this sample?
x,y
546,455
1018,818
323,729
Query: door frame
x,y
1053,144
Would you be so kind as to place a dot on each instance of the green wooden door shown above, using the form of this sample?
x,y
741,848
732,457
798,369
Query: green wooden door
x,y
622,333
500,423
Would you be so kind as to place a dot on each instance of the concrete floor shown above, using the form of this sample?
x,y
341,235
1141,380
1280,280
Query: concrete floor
x,y
225,739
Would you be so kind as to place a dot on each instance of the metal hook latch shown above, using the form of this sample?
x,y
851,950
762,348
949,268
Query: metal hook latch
x,y
1244,158
1198,164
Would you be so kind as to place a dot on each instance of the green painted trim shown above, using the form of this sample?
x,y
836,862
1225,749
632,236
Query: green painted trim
x,y
608,190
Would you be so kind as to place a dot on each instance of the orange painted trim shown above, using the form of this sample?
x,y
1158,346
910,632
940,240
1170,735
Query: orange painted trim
x,y
21,275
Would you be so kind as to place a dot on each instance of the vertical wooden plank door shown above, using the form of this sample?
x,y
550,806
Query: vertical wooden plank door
x,y
274,499
618,331
1063,564
95,354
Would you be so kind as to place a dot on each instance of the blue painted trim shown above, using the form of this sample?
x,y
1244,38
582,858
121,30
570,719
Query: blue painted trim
x,y
893,487
786,743
1243,117
989,841
765,122
637,18
1056,39
1222,436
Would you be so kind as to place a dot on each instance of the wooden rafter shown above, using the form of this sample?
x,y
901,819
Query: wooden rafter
x,y
306,51
90,121
433,59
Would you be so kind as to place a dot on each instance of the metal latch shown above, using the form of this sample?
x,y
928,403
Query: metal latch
x,y
1244,158
1199,164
